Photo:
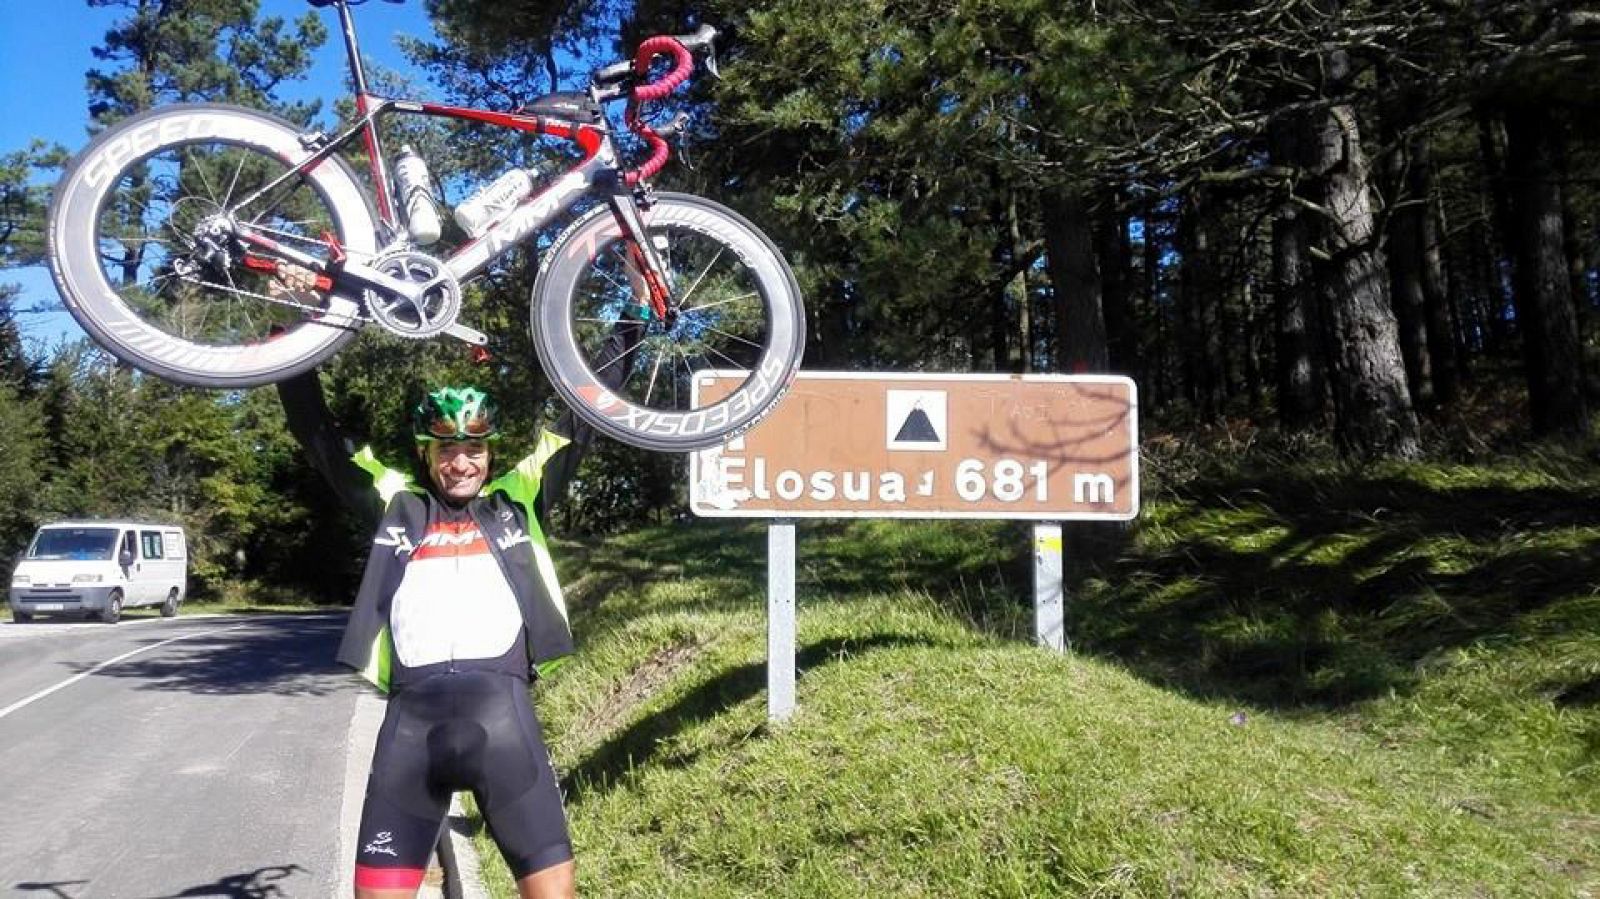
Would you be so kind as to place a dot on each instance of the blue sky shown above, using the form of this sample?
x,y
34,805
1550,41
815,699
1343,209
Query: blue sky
x,y
44,53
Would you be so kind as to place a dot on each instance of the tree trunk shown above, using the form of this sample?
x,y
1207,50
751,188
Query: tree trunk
x,y
1300,379
1577,267
1197,293
1543,291
999,315
1250,358
1501,236
1019,287
1405,270
1160,365
832,326
1114,253
1437,309
1372,405
1069,245
1492,333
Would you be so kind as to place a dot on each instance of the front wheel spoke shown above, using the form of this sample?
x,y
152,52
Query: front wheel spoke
x,y
620,356
703,272
740,298
733,337
624,289
731,361
651,389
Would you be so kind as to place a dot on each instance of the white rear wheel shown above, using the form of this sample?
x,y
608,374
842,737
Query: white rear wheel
x,y
141,249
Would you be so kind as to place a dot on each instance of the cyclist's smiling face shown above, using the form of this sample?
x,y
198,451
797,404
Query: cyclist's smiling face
x,y
458,467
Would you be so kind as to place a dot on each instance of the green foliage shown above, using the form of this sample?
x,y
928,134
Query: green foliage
x,y
23,202
115,444
192,50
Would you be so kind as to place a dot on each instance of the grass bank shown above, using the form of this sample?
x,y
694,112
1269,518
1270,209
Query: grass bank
x,y
1326,681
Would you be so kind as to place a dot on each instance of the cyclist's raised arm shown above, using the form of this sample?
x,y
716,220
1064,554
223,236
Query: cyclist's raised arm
x,y
577,434
330,451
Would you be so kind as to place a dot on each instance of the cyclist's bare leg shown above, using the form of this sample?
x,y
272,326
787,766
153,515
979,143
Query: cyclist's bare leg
x,y
554,882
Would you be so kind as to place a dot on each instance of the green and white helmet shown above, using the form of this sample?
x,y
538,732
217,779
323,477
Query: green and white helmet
x,y
456,413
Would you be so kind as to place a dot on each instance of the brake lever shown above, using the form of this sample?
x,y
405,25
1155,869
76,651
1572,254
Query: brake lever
x,y
703,40
674,127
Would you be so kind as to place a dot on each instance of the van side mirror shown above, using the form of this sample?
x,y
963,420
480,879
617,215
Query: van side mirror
x,y
125,557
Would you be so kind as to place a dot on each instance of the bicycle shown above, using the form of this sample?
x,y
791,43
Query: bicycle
x,y
223,247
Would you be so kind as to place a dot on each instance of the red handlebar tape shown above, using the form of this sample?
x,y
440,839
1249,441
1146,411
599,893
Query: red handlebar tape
x,y
682,67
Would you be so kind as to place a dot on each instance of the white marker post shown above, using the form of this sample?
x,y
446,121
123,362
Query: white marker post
x,y
1049,603
780,620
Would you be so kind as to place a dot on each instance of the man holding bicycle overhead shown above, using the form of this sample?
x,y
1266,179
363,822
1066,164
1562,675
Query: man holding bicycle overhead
x,y
458,606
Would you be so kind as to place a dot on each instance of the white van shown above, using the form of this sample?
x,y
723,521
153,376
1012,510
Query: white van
x,y
99,568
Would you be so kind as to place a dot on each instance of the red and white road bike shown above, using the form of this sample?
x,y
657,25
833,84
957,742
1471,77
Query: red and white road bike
x,y
223,247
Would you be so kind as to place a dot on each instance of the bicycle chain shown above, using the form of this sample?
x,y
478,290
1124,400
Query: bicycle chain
x,y
357,315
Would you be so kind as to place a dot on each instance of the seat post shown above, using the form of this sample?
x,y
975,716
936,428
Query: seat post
x,y
348,24
370,136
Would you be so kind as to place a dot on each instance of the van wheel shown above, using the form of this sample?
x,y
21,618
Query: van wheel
x,y
20,616
113,610
170,607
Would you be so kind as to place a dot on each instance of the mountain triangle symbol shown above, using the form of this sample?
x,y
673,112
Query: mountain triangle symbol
x,y
917,429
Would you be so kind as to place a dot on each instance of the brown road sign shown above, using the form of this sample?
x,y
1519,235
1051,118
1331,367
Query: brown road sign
x,y
876,445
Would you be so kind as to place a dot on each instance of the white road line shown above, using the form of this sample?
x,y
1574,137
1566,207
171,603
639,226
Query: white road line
x,y
107,664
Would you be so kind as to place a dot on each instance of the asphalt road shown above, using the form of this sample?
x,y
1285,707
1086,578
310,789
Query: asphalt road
x,y
208,758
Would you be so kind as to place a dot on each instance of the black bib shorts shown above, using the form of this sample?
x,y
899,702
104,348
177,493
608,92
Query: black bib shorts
x,y
459,730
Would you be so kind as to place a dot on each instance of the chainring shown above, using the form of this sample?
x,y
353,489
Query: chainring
x,y
438,307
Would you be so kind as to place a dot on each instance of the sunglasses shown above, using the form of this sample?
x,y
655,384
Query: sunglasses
x,y
476,427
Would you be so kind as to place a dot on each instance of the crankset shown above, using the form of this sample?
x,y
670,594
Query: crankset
x,y
409,294
428,308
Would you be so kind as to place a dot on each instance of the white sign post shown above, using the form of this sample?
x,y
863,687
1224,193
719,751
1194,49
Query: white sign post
x,y
1046,448
780,620
1049,601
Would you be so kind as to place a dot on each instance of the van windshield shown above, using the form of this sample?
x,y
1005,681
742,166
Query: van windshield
x,y
92,544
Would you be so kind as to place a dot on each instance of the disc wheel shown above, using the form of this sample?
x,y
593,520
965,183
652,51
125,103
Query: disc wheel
x,y
735,315
142,245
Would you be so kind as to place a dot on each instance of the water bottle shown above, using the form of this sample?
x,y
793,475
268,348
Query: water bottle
x,y
414,190
488,205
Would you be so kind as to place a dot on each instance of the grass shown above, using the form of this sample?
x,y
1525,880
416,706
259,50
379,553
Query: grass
x,y
1324,681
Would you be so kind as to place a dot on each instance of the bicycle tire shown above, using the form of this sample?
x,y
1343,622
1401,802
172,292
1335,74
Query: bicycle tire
x,y
124,203
732,276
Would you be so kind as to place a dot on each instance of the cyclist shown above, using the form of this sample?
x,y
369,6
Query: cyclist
x,y
458,606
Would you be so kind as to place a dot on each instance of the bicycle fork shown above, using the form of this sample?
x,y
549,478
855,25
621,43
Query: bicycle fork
x,y
654,279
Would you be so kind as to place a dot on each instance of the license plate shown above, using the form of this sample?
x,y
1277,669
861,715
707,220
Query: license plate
x,y
49,607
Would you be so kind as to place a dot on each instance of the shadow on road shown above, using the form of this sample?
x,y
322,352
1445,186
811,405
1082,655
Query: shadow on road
x,y
283,656
54,888
262,883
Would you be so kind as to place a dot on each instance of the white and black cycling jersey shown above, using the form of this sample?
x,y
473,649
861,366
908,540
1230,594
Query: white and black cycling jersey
x,y
454,602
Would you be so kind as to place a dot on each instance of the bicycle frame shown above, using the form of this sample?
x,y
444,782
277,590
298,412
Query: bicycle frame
x,y
597,172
